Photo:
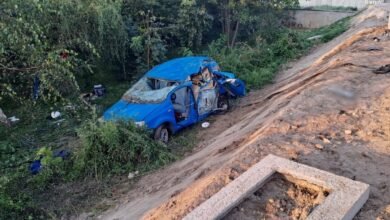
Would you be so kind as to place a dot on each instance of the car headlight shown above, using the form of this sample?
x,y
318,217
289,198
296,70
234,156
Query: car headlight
x,y
140,123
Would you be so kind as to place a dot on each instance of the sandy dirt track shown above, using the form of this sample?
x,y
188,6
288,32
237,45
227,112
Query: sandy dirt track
x,y
328,111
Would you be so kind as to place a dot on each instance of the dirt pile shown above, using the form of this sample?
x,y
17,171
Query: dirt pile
x,y
329,111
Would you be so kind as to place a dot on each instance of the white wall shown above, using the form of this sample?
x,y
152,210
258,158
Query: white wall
x,y
316,19
345,3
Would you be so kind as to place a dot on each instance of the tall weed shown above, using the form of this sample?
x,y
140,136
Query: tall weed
x,y
257,63
116,148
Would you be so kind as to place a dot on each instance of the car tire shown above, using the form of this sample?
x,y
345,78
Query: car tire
x,y
161,134
223,104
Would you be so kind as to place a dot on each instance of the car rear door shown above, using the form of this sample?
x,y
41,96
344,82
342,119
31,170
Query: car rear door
x,y
207,101
185,98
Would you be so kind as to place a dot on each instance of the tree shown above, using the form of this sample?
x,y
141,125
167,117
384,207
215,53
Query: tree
x,y
148,45
56,40
233,14
193,22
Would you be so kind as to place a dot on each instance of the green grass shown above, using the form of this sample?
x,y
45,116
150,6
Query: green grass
x,y
328,32
18,148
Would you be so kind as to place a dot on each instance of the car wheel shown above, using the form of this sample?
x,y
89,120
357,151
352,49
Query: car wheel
x,y
223,104
162,134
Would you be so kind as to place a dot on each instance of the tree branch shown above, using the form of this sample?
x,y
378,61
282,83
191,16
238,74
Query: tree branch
x,y
235,35
2,67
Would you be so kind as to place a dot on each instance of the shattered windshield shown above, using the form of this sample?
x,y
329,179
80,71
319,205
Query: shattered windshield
x,y
148,90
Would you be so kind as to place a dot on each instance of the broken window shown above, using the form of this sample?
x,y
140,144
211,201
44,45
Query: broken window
x,y
149,91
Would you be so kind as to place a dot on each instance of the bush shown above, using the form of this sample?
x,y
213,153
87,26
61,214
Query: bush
x,y
53,169
16,200
117,147
257,64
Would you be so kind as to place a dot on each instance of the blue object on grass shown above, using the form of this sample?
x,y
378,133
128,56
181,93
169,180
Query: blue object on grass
x,y
36,84
36,165
64,154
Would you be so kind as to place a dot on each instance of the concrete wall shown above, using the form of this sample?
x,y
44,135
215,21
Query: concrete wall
x,y
337,3
316,19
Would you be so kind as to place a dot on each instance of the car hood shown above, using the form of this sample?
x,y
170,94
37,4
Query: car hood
x,y
129,111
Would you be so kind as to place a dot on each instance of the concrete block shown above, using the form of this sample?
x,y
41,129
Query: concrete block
x,y
345,199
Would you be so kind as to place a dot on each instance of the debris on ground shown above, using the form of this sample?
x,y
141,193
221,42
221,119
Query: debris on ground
x,y
205,124
13,119
319,146
86,98
348,132
315,37
55,114
132,175
370,48
36,166
3,118
383,69
325,140
99,90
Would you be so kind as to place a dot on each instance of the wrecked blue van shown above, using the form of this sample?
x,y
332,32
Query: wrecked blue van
x,y
176,94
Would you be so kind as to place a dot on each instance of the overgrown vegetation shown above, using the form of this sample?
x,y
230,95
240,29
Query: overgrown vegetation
x,y
71,45
110,148
329,32
117,148
258,62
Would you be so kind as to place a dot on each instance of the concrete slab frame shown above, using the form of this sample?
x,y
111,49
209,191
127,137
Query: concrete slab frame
x,y
345,199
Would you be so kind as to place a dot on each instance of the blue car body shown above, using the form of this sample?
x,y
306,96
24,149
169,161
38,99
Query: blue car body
x,y
166,94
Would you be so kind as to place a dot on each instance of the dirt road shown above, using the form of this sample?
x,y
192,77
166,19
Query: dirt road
x,y
329,111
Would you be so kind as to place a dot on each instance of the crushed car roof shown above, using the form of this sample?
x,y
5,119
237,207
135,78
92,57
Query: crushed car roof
x,y
178,69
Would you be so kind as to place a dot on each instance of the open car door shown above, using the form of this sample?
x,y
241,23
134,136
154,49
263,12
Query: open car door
x,y
207,102
183,102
